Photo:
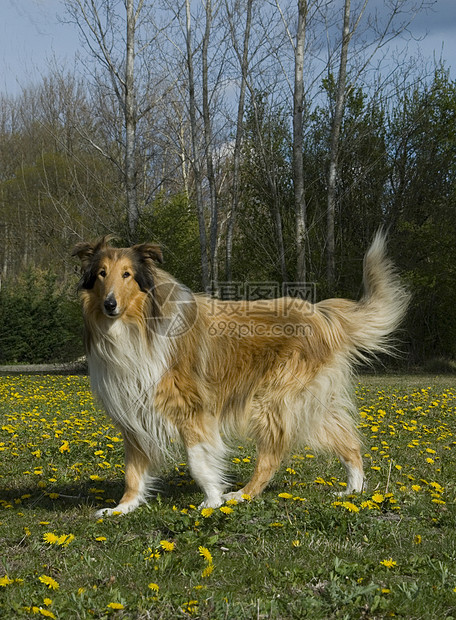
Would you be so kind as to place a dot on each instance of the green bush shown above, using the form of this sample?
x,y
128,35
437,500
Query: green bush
x,y
38,322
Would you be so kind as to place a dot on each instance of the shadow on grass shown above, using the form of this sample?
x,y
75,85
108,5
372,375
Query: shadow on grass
x,y
62,498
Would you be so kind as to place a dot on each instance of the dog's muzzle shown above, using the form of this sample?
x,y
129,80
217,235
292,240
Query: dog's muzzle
x,y
110,305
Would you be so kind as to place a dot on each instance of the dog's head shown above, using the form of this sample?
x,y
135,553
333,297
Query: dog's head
x,y
115,279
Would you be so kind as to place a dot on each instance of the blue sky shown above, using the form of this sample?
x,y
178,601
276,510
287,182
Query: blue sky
x,y
31,36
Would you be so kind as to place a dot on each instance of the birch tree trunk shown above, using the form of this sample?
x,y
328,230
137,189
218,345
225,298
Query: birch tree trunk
x,y
298,168
196,165
213,227
244,64
130,124
101,26
334,147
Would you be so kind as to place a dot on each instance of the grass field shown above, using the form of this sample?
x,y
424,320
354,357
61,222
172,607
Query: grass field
x,y
299,551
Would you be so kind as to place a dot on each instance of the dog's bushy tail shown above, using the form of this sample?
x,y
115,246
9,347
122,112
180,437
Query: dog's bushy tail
x,y
383,306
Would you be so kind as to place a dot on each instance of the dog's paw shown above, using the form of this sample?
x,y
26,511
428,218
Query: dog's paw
x,y
349,491
239,496
211,502
121,509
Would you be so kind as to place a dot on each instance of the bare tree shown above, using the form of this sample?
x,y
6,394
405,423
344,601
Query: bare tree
x,y
127,101
210,172
243,58
334,144
111,37
397,18
195,150
298,167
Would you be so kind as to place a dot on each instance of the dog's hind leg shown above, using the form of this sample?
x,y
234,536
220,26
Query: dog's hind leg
x,y
353,463
137,466
340,437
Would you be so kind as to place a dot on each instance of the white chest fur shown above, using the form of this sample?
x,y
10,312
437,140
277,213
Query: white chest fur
x,y
124,372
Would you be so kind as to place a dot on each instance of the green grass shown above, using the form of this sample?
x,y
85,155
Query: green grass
x,y
298,551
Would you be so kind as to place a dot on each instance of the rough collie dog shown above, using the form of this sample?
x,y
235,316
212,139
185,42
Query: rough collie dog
x,y
171,367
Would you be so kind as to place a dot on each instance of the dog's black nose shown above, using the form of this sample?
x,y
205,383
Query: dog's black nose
x,y
110,304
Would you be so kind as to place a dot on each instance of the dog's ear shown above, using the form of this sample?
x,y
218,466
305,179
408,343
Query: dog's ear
x,y
149,251
144,256
87,254
85,251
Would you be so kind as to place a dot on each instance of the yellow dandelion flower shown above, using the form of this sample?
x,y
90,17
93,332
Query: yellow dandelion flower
x,y
6,581
296,543
246,497
47,601
388,563
205,553
166,545
378,498
47,613
206,512
65,539
49,581
347,505
417,539
65,447
50,538
154,587
416,487
115,605
286,495
208,570
226,510
190,608
430,461
370,505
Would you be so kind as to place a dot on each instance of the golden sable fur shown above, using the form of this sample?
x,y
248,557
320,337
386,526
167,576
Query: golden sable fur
x,y
169,365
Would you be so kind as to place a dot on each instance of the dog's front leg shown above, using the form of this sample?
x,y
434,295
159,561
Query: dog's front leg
x,y
137,480
206,464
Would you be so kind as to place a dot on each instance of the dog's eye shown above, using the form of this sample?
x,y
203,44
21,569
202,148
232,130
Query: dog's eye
x,y
126,274
103,273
